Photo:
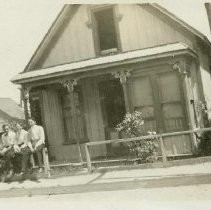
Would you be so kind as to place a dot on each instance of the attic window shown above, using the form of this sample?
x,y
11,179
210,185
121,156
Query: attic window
x,y
106,31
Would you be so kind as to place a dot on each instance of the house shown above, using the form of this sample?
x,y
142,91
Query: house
x,y
98,62
10,112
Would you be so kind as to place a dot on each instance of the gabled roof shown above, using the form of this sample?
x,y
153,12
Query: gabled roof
x,y
181,22
72,9
61,17
104,62
11,108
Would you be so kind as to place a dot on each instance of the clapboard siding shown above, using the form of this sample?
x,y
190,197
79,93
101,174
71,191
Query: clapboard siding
x,y
93,114
141,26
74,43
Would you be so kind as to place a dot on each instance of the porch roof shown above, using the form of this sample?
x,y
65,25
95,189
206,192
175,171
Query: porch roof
x,y
102,62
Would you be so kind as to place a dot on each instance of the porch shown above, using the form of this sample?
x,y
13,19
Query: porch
x,y
86,106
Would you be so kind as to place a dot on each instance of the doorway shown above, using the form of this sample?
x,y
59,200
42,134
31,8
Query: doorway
x,y
113,111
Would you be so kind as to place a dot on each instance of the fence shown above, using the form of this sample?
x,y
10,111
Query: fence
x,y
154,137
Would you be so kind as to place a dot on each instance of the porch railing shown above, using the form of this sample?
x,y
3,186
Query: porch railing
x,y
153,137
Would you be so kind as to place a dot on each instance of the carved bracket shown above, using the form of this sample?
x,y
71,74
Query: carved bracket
x,y
181,69
70,84
122,75
25,93
25,97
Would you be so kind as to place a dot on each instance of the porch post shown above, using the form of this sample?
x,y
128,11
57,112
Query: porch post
x,y
122,76
25,98
184,71
69,84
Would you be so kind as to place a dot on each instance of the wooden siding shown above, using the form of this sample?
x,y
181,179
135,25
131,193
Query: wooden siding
x,y
53,117
93,114
55,125
74,43
140,27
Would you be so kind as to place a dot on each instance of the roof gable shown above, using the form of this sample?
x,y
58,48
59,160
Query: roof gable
x,y
69,11
182,23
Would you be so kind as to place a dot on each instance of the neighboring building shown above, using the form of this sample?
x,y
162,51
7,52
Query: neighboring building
x,y
10,112
98,62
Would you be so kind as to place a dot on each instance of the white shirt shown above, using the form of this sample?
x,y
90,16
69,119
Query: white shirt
x,y
21,137
36,135
8,139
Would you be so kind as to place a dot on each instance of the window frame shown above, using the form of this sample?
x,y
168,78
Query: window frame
x,y
158,114
96,9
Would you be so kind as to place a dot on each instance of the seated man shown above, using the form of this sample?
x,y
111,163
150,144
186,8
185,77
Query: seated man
x,y
37,138
23,149
7,147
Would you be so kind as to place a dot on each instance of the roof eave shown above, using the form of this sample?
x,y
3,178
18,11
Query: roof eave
x,y
67,72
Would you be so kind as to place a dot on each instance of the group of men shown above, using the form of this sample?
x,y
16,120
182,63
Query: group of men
x,y
16,147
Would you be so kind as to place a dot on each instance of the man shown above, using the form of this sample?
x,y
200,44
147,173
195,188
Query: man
x,y
37,138
23,149
7,147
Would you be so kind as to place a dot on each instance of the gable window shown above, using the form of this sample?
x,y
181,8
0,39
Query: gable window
x,y
105,31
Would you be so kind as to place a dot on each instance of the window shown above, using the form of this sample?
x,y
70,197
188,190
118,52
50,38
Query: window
x,y
73,116
159,98
105,30
144,102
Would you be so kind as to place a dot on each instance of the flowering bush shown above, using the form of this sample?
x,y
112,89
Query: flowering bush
x,y
145,150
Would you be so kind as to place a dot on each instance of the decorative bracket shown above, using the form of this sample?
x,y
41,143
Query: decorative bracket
x,y
25,93
70,84
183,70
25,97
122,75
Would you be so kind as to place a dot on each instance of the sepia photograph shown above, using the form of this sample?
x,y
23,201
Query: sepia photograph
x,y
105,105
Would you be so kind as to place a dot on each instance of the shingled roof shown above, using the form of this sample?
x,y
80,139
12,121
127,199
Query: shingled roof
x,y
11,108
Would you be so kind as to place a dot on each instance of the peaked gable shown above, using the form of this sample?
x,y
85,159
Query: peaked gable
x,y
70,38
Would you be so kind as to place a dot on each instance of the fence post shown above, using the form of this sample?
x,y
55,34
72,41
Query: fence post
x,y
88,159
46,161
163,152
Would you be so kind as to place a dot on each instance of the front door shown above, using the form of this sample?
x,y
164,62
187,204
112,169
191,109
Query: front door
x,y
113,110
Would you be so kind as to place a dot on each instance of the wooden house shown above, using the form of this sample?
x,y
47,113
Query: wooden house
x,y
98,62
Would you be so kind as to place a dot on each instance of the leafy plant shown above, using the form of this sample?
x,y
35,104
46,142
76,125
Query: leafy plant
x,y
144,150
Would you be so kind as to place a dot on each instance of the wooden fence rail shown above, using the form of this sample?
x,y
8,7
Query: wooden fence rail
x,y
154,137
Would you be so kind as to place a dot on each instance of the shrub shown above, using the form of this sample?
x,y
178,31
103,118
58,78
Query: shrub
x,y
144,150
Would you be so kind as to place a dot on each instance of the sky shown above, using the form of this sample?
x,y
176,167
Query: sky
x,y
23,24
